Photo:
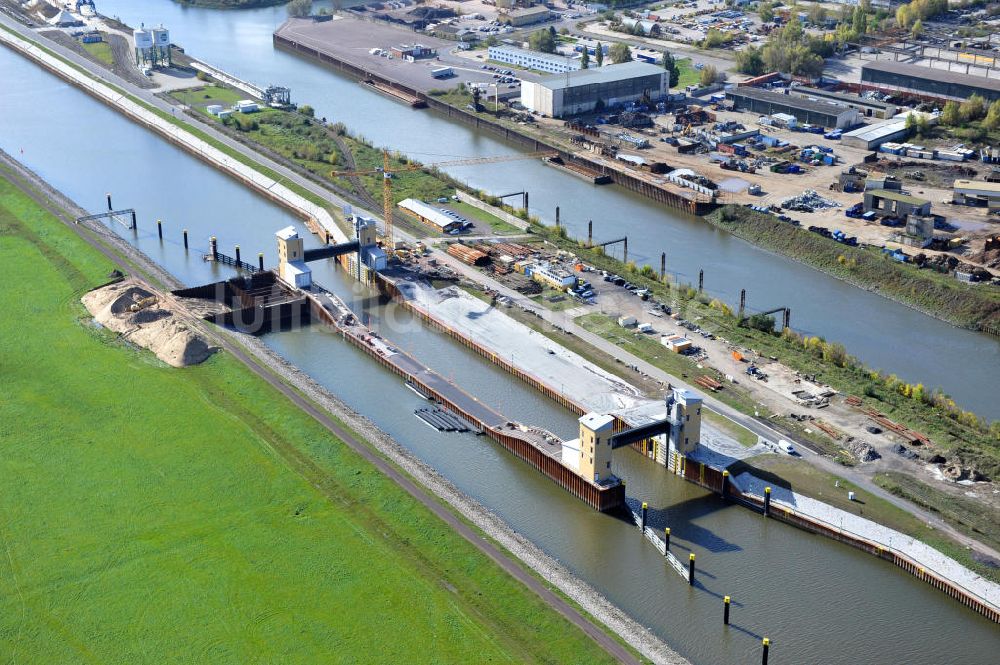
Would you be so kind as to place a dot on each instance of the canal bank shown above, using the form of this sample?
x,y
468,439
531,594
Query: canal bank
x,y
881,333
730,547
300,36
391,459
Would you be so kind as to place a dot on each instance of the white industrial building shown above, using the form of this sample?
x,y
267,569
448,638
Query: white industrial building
x,y
536,60
430,215
581,91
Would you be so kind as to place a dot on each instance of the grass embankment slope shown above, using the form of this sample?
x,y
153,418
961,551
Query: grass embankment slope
x,y
957,434
938,294
152,514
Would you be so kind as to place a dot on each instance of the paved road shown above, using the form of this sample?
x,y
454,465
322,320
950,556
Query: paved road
x,y
495,553
556,318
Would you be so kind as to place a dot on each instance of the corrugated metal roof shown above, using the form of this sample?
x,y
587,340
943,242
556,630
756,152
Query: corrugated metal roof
x,y
939,75
841,97
432,215
877,131
608,74
791,101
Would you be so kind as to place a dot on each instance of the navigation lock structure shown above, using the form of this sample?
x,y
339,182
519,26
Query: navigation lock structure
x,y
527,394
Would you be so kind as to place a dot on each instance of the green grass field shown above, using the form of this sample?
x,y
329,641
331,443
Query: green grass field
x,y
151,514
101,51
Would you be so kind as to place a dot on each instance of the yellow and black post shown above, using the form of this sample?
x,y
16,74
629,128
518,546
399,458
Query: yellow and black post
x,y
691,569
642,524
666,535
725,612
767,501
185,238
725,483
159,228
260,261
237,255
766,643
109,202
213,246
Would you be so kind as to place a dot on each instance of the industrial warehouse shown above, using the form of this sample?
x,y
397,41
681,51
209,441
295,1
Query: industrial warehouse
x,y
578,92
926,82
811,111
430,216
977,193
871,108
542,62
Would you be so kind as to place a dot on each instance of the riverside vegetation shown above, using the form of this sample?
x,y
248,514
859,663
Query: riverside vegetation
x,y
144,503
972,441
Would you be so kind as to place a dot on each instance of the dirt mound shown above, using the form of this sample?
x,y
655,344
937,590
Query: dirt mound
x,y
863,451
134,312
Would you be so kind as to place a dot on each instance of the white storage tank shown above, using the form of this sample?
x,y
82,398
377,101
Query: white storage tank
x,y
161,37
143,39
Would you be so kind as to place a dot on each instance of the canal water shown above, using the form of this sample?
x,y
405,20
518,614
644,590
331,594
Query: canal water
x,y
884,334
817,600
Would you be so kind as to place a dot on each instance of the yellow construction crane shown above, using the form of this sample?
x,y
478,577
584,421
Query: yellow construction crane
x,y
387,172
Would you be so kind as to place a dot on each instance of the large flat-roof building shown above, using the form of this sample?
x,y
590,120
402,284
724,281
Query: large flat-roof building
x,y
870,108
927,82
526,16
543,62
824,113
560,95
977,193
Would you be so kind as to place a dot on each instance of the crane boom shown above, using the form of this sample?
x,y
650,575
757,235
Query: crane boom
x,y
387,172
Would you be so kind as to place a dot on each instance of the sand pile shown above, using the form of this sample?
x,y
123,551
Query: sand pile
x,y
136,313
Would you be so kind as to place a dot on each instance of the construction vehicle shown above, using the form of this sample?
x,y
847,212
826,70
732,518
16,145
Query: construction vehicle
x,y
387,173
143,303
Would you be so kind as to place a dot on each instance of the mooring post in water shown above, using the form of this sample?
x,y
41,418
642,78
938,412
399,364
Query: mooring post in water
x,y
237,254
788,318
666,537
691,568
557,216
743,302
213,248
642,524
625,257
159,228
663,266
701,280
725,483
766,643
767,501
590,233
109,202
260,261
134,225
525,200
725,612
185,239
